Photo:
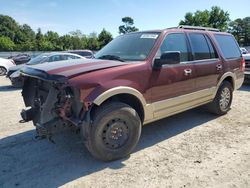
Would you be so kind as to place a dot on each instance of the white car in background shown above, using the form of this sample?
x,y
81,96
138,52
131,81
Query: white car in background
x,y
5,64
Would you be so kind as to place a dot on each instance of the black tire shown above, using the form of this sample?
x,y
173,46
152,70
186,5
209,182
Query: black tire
x,y
216,107
114,132
3,71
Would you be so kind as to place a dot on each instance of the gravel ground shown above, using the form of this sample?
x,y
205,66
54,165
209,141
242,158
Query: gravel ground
x,y
191,149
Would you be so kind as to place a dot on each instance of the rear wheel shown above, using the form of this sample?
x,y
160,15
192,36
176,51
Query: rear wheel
x,y
223,99
114,133
3,71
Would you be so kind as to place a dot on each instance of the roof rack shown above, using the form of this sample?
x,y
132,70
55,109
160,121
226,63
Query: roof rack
x,y
195,28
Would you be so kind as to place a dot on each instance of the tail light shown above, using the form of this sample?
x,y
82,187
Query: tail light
x,y
243,64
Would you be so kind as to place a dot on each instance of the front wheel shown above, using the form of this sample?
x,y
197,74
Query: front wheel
x,y
223,99
114,133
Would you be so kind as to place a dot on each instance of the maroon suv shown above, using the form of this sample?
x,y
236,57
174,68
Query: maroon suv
x,y
136,79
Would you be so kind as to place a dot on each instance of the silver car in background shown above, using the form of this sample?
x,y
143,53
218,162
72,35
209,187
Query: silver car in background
x,y
13,72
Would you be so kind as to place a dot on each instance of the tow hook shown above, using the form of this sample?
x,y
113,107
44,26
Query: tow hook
x,y
27,115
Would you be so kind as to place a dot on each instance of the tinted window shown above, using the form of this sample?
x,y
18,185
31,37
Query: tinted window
x,y
213,53
38,59
175,42
228,46
74,57
68,57
84,54
200,46
55,58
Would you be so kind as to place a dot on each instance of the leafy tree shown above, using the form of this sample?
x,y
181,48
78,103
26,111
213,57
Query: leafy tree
x,y
77,33
104,38
25,38
54,40
6,44
240,28
65,40
216,18
78,40
92,42
39,40
8,27
128,26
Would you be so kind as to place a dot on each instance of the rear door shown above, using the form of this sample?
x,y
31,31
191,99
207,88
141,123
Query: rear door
x,y
207,65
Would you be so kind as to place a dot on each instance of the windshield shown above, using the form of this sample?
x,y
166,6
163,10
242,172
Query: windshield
x,y
37,59
129,47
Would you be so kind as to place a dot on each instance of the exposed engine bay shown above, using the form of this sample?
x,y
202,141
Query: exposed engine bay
x,y
51,106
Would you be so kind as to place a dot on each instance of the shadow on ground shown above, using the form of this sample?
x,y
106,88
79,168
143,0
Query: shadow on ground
x,y
8,88
245,87
25,162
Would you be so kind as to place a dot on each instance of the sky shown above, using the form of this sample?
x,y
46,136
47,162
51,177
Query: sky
x,y
64,16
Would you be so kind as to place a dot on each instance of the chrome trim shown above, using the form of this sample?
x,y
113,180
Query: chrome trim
x,y
192,62
200,61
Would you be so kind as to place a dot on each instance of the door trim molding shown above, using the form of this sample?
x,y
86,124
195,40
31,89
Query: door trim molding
x,y
168,107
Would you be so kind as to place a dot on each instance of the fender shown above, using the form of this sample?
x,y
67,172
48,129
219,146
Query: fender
x,y
228,74
119,90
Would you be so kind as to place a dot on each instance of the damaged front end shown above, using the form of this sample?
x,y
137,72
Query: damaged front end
x,y
52,105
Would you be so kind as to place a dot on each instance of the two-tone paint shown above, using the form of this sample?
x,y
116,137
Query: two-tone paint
x,y
162,92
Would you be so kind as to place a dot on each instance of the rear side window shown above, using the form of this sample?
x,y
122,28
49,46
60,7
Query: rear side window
x,y
200,46
213,53
228,46
55,58
85,54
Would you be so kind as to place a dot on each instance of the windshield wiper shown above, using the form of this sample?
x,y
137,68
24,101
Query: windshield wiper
x,y
111,57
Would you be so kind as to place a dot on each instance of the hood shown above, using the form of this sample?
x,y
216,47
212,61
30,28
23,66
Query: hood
x,y
17,67
69,69
14,69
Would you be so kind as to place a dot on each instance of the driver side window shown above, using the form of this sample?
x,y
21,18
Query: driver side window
x,y
175,42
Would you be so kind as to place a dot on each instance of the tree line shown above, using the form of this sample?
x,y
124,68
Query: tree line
x,y
16,37
220,19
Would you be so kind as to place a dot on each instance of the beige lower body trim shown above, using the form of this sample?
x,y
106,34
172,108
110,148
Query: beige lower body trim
x,y
239,82
165,108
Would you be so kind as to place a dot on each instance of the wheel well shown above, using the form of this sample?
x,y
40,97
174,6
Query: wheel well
x,y
230,80
3,67
128,99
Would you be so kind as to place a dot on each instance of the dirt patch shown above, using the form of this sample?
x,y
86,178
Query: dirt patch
x,y
191,149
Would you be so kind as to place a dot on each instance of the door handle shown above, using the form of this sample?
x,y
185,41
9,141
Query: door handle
x,y
219,67
187,72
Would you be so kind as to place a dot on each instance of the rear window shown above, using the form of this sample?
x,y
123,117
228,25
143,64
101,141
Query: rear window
x,y
228,46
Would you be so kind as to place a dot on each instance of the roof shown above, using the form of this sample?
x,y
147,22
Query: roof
x,y
184,27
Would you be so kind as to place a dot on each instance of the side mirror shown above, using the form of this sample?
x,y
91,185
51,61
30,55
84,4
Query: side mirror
x,y
170,57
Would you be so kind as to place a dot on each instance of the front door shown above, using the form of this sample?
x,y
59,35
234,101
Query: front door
x,y
173,84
